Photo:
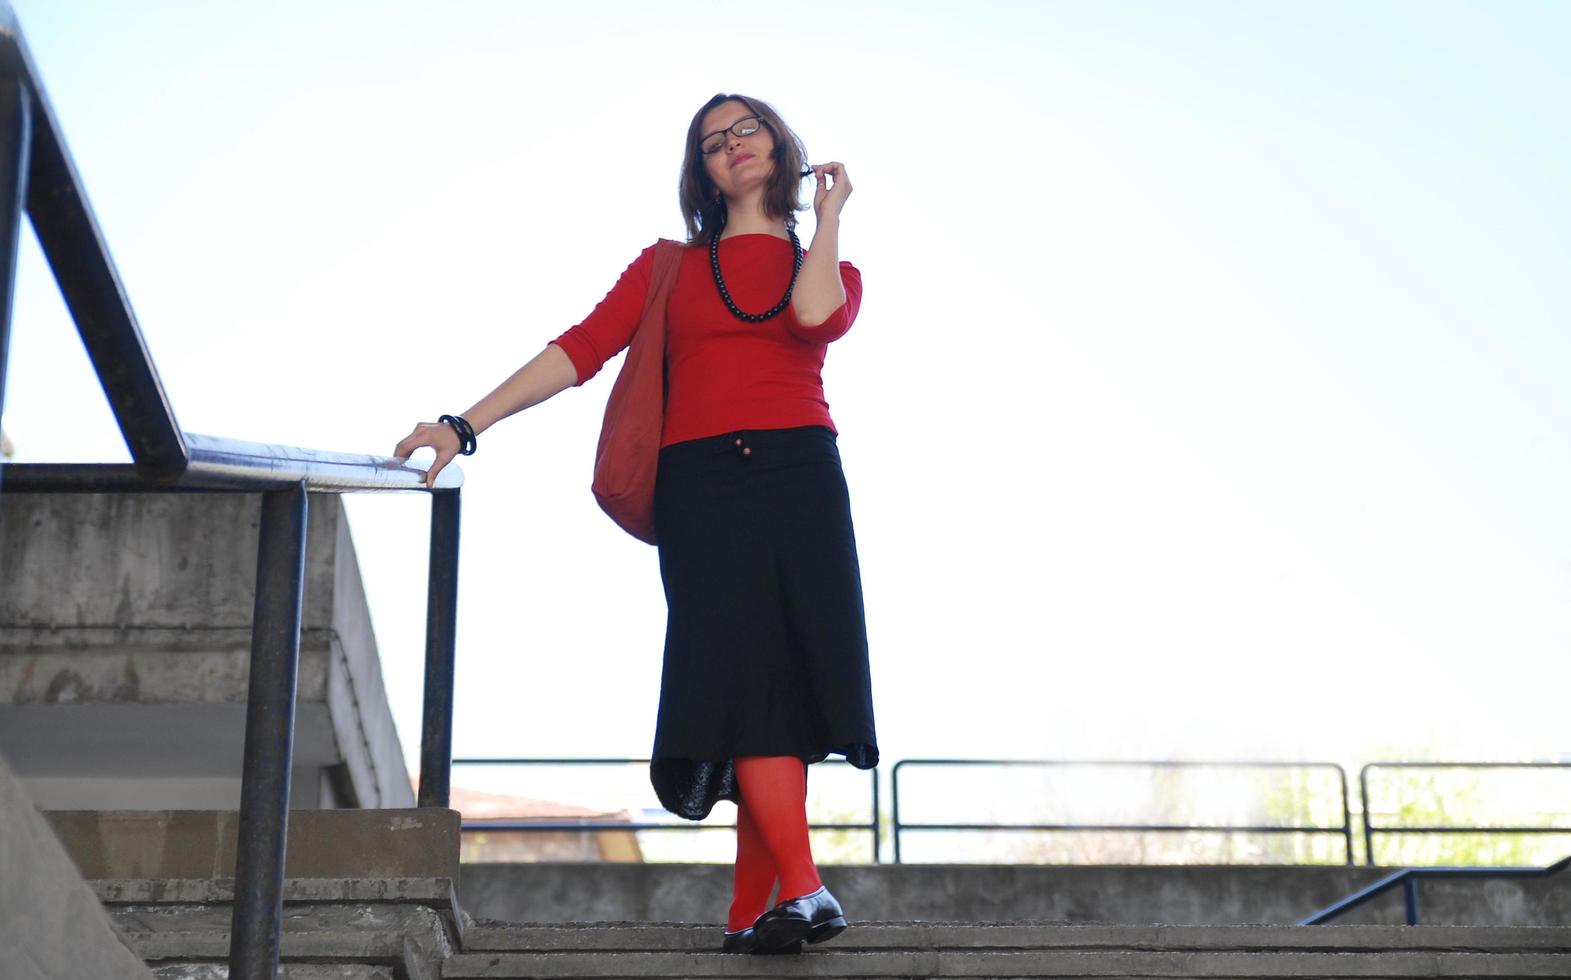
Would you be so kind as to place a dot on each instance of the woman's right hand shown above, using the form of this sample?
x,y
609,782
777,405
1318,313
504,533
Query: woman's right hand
x,y
439,436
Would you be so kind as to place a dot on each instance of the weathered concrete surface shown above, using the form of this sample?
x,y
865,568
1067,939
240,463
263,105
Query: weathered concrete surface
x,y
1020,950
408,941
1224,895
397,928
203,891
365,925
907,964
286,971
488,935
124,654
51,925
434,893
152,844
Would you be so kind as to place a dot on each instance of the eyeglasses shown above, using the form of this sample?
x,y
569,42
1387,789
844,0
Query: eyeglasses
x,y
746,126
712,143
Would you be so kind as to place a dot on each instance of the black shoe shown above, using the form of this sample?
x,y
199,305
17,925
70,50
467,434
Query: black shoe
x,y
812,918
746,942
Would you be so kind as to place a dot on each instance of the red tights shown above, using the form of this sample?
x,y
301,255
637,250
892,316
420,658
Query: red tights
x,y
771,836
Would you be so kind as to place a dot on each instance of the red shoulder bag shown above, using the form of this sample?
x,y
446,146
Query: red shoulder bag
x,y
629,450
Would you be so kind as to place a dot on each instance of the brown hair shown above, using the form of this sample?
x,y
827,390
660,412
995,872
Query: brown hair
x,y
701,205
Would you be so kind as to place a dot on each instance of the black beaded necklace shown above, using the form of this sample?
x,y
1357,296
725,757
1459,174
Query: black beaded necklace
x,y
725,294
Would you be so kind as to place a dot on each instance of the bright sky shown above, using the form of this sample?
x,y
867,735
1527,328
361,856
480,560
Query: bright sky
x,y
1208,396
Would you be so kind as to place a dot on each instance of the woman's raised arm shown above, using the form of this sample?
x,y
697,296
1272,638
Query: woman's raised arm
x,y
819,290
546,374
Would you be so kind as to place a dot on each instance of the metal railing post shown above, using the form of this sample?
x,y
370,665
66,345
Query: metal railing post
x,y
877,838
1369,829
441,629
1347,817
269,736
894,806
16,143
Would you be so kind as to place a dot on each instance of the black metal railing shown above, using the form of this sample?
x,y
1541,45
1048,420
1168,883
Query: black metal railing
x,y
900,825
1408,880
38,170
1344,830
38,177
609,824
1371,828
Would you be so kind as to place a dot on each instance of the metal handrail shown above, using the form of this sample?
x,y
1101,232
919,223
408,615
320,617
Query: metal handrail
x,y
74,246
283,475
601,824
219,464
1345,830
37,176
1408,878
1370,829
605,824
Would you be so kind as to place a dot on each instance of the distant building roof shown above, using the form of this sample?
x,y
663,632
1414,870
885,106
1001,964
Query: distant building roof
x,y
484,846
477,805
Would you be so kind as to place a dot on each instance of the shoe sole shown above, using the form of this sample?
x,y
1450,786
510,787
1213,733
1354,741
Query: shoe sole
x,y
786,950
828,930
777,936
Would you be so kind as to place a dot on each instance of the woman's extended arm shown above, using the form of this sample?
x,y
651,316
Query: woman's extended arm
x,y
819,291
546,374
600,337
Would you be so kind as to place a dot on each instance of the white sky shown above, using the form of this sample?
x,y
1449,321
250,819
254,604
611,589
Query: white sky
x,y
1207,399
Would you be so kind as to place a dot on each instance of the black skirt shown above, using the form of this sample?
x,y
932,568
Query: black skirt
x,y
766,640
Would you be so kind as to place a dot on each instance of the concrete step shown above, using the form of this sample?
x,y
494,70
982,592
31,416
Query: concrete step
x,y
125,639
198,845
413,929
379,929
289,971
1180,895
1022,949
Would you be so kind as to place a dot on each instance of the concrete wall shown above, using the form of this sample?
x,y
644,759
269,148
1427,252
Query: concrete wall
x,y
124,655
51,924
1002,893
191,844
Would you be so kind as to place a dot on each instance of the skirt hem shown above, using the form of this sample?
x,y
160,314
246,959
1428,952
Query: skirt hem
x,y
690,788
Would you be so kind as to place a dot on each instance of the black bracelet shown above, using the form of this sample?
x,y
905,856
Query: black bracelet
x,y
466,433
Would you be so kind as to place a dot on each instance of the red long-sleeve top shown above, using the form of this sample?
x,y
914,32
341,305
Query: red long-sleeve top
x,y
723,373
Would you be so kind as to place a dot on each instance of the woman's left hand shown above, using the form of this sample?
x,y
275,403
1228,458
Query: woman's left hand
x,y
829,200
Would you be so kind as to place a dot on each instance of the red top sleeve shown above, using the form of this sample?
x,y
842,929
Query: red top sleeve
x,y
839,321
609,327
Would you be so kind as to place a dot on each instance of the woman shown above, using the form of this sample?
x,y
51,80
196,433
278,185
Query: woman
x,y
765,667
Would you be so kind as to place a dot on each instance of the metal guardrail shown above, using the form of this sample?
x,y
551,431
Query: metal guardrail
x,y
217,464
39,171
1371,828
37,177
604,825
901,826
1408,879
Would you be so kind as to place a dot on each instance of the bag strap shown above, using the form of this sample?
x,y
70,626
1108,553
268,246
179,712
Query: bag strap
x,y
668,262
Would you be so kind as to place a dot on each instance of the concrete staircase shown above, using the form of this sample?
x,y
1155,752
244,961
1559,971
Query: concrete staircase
x,y
374,895
364,940
160,877
134,696
930,949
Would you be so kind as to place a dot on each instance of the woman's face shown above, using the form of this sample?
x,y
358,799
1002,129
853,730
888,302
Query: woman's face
x,y
742,162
